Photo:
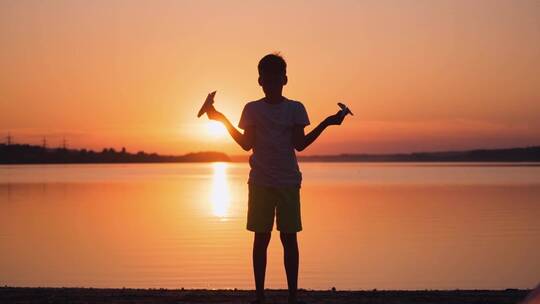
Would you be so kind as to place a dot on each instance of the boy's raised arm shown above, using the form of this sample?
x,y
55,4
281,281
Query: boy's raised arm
x,y
245,140
301,140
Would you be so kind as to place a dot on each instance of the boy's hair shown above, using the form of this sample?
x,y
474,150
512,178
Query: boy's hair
x,y
272,64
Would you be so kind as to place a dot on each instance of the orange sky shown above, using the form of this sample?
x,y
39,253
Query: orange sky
x,y
419,75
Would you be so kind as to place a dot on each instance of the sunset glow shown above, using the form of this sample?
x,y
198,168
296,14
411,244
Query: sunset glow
x,y
220,194
418,75
216,129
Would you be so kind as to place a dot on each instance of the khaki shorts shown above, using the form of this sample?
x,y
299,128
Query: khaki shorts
x,y
266,201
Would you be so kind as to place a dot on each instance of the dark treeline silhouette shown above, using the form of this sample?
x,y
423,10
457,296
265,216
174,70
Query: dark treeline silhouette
x,y
31,154
526,154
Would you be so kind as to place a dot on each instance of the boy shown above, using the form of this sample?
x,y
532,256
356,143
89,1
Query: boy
x,y
274,127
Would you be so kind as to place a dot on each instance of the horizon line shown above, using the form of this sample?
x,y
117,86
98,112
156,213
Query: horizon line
x,y
301,155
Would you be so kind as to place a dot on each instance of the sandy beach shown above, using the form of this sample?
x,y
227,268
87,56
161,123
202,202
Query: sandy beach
x,y
95,295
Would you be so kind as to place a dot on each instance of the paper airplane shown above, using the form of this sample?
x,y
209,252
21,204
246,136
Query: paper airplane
x,y
344,109
207,103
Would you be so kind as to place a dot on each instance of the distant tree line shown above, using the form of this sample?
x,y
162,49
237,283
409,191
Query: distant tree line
x,y
526,154
32,154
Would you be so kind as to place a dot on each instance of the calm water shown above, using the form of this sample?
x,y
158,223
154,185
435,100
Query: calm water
x,y
385,226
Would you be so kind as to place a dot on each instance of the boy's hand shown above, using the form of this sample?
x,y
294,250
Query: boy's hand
x,y
335,119
214,114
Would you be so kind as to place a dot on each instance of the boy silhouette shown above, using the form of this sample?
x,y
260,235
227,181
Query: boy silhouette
x,y
273,128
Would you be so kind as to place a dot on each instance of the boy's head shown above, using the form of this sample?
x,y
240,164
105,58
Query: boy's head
x,y
272,74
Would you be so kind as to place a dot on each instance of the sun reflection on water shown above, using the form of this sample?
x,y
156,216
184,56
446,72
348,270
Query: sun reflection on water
x,y
220,195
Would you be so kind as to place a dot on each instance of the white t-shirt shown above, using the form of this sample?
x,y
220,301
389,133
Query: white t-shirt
x,y
273,162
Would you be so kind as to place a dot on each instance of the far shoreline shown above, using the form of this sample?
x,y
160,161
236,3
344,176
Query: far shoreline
x,y
397,163
32,154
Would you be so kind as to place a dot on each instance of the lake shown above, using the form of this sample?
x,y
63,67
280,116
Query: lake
x,y
366,225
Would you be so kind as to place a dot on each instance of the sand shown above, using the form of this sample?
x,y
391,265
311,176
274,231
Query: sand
x,y
95,295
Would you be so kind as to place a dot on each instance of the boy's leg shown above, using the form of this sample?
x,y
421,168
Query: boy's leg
x,y
291,261
289,222
260,244
260,219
